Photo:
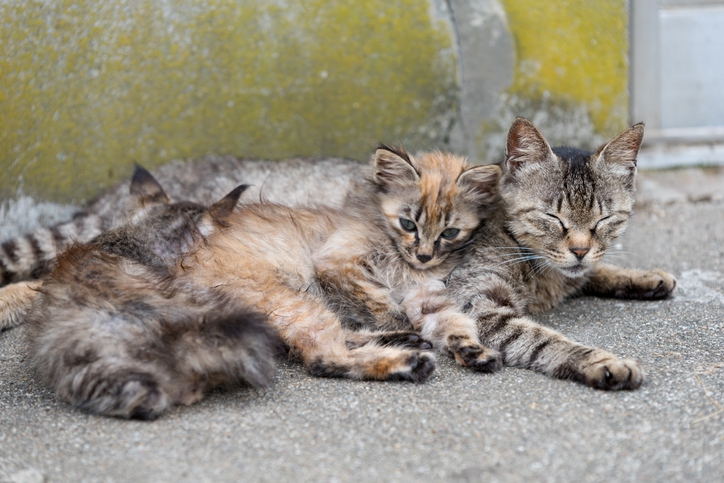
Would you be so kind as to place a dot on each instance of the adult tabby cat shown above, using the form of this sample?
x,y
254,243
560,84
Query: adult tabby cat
x,y
113,331
562,207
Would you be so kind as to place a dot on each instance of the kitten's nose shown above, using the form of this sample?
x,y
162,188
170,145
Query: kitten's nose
x,y
580,252
424,258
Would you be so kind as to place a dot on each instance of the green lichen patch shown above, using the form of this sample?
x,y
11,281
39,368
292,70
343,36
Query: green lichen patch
x,y
573,53
88,87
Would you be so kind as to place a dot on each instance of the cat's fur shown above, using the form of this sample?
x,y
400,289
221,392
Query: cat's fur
x,y
310,268
562,208
291,182
510,272
113,331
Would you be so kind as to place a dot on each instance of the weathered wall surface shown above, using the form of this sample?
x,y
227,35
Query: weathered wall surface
x,y
88,87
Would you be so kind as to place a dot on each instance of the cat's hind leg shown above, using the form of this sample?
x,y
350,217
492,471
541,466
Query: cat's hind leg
x,y
15,300
315,335
611,281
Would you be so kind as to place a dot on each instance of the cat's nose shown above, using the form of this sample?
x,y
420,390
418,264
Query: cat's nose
x,y
580,252
424,258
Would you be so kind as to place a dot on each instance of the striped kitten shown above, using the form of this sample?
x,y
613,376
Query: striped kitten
x,y
315,272
562,208
114,332
291,182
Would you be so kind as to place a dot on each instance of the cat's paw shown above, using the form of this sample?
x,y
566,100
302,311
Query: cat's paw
x,y
615,374
478,358
128,396
419,367
403,339
655,284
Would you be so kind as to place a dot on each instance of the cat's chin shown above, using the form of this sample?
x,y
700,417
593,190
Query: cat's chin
x,y
576,271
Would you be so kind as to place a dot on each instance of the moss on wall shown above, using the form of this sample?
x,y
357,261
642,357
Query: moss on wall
x,y
573,53
88,87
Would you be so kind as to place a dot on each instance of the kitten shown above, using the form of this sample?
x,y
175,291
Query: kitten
x,y
562,207
113,331
291,182
405,224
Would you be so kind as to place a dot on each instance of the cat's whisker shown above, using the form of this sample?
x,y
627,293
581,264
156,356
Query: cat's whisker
x,y
517,260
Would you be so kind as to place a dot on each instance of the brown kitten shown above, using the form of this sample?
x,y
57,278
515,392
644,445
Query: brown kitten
x,y
405,225
561,208
115,332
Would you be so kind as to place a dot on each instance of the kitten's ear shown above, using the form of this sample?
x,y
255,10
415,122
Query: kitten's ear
x,y
480,183
145,187
525,144
224,207
393,166
623,149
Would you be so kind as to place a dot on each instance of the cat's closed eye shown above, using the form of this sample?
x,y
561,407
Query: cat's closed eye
x,y
557,220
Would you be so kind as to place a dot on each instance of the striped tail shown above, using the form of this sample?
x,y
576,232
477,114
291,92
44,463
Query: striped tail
x,y
29,256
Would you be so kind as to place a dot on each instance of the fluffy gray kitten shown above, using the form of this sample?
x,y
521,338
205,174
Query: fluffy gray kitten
x,y
114,331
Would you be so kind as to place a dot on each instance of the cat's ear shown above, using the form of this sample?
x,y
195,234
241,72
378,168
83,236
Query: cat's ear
x,y
145,187
622,150
480,184
393,166
220,210
525,145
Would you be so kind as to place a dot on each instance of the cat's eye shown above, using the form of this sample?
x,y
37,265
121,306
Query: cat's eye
x,y
554,217
595,227
408,225
450,233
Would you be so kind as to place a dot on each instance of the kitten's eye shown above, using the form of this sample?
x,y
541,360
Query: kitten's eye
x,y
408,225
450,233
554,217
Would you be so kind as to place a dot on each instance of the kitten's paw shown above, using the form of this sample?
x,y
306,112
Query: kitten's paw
x,y
478,358
420,366
129,396
655,284
404,339
615,374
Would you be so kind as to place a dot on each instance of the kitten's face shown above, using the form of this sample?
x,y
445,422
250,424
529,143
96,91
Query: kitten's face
x,y
432,202
567,205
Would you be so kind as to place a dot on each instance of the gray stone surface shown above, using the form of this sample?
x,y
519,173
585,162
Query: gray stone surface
x,y
460,426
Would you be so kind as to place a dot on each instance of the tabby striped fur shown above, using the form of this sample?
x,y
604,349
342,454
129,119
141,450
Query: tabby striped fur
x,y
562,207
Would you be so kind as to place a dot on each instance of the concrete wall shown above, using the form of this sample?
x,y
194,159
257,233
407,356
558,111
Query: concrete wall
x,y
89,87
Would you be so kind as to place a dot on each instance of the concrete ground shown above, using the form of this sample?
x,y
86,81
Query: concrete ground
x,y
460,426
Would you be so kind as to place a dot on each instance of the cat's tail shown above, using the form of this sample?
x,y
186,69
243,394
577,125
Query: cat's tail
x,y
227,349
29,256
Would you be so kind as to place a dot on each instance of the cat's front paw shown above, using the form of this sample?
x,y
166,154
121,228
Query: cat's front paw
x,y
655,284
615,374
420,366
470,354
